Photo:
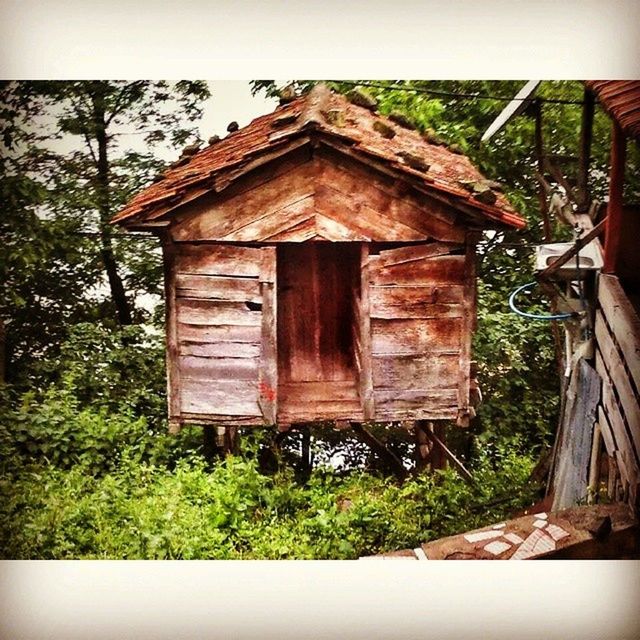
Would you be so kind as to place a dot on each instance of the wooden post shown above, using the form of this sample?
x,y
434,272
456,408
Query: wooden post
x,y
586,131
613,229
468,326
305,451
173,371
388,456
539,152
366,372
424,446
209,443
268,372
594,465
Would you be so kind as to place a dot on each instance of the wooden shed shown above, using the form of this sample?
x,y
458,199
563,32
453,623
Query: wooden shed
x,y
319,266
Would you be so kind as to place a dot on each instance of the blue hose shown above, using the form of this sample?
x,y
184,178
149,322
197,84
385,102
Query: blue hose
x,y
534,316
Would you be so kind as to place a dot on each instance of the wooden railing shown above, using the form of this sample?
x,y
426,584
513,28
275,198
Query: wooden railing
x,y
617,333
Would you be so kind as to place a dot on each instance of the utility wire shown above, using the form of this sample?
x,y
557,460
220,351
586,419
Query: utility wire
x,y
453,94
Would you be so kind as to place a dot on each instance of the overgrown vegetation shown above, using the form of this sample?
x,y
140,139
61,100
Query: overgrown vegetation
x,y
88,470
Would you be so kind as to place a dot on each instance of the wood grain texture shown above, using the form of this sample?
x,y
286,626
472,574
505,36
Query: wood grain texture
x,y
624,322
223,288
364,308
624,454
440,270
619,378
211,259
268,374
417,324
173,370
220,397
215,219
343,202
468,325
315,282
219,327
410,336
574,452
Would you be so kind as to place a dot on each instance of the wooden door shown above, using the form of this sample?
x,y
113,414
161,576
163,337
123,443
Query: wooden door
x,y
225,334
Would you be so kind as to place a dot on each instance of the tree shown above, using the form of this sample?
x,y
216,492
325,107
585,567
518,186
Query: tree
x,y
68,166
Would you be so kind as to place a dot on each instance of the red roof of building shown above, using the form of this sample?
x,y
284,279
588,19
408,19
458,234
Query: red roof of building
x,y
430,166
621,99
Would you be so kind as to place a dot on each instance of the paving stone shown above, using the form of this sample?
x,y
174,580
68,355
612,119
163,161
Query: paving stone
x,y
497,547
482,535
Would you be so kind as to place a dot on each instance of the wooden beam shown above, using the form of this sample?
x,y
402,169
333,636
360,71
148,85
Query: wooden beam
x,y
586,133
613,231
381,449
450,455
574,250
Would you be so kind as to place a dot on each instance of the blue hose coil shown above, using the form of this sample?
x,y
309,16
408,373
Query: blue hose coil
x,y
534,316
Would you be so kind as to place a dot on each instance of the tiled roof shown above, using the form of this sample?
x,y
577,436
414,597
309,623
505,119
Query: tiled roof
x,y
428,165
621,99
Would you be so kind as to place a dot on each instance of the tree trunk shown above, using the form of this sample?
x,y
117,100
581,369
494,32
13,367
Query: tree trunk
x,y
118,294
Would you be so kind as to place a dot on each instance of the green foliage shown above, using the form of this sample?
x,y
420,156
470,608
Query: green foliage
x,y
143,510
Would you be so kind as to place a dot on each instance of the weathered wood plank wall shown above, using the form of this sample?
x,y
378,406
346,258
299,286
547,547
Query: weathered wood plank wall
x,y
219,305
617,331
416,346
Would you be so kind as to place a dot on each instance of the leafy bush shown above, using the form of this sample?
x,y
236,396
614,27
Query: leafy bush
x,y
143,510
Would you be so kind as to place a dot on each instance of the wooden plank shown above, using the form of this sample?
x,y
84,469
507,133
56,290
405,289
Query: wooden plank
x,y
217,260
298,232
223,288
606,431
268,373
221,397
441,270
421,399
462,470
220,420
274,222
335,231
623,321
366,339
411,336
468,324
594,465
323,391
415,252
363,219
414,300
349,174
415,311
403,412
416,371
582,398
173,370
212,312
628,400
219,333
213,218
211,368
627,462
222,349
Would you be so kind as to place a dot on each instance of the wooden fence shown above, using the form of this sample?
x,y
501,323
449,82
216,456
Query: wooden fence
x,y
617,336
